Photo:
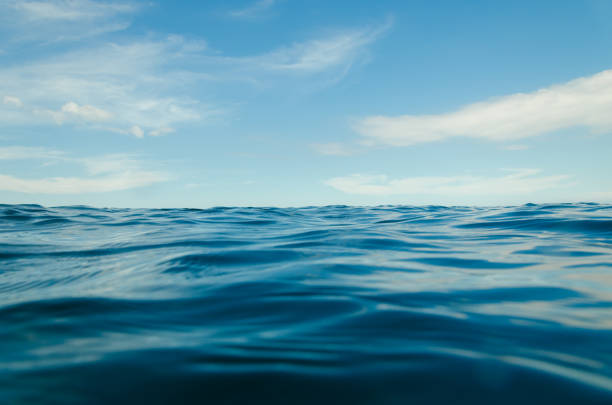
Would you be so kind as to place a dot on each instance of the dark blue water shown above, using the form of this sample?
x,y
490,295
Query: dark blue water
x,y
384,305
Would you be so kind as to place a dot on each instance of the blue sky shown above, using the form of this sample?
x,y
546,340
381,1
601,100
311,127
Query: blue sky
x,y
293,103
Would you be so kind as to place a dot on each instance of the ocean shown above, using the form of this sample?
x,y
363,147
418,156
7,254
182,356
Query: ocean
x,y
335,304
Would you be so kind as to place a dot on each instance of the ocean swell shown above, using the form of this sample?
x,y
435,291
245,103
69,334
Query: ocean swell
x,y
337,304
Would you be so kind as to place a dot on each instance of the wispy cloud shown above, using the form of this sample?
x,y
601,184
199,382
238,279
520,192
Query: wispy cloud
x,y
336,49
162,131
78,185
585,102
131,87
134,130
12,101
333,149
142,87
70,9
320,61
58,20
324,58
146,87
109,86
83,112
254,10
27,152
102,173
521,181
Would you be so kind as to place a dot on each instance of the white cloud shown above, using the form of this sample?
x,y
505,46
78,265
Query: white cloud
x,y
326,58
145,83
136,131
78,185
521,181
339,49
124,85
70,9
114,163
60,20
253,10
103,173
13,101
584,102
25,152
161,131
150,86
86,112
333,149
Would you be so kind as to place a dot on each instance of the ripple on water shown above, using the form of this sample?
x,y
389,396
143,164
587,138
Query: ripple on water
x,y
336,304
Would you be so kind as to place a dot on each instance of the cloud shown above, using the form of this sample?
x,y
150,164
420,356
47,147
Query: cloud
x,y
584,102
162,131
25,152
136,131
85,112
61,20
338,49
148,83
323,59
520,181
129,85
70,9
78,185
151,86
254,10
13,101
103,173
333,149
109,164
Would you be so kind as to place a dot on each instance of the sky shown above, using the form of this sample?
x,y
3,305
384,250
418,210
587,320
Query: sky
x,y
305,102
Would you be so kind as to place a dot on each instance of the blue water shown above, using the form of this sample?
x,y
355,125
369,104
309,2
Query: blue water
x,y
380,305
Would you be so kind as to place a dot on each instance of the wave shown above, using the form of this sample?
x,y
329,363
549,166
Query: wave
x,y
379,305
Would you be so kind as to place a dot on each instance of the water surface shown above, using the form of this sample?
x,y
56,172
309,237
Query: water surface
x,y
379,305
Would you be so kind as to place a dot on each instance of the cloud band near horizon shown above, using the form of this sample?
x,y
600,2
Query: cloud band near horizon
x,y
517,181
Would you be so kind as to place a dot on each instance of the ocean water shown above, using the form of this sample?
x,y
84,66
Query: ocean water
x,y
359,305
